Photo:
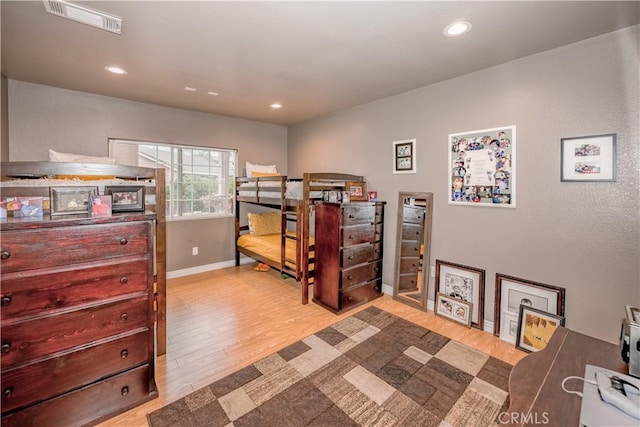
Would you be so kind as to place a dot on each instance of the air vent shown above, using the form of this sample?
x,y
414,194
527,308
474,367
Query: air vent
x,y
84,15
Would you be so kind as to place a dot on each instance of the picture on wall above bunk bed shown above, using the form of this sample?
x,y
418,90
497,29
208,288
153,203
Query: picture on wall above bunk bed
x,y
281,238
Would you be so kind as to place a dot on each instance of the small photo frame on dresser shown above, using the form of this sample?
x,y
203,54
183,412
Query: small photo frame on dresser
x,y
100,206
357,191
71,200
454,309
128,198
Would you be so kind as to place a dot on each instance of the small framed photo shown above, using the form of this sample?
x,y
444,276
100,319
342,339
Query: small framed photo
x,y
373,196
454,309
126,198
588,158
463,282
535,328
512,292
357,191
29,207
346,197
100,206
71,200
404,155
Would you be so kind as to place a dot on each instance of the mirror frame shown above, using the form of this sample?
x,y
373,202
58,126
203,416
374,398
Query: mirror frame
x,y
426,253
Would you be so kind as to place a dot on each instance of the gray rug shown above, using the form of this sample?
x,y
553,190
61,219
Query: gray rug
x,y
370,369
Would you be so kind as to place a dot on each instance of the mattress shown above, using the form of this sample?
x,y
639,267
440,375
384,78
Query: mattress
x,y
269,245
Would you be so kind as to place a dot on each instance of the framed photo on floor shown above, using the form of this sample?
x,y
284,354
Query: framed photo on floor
x,y
588,158
535,328
454,309
463,282
512,292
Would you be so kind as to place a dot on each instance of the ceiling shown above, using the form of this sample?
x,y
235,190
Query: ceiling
x,y
313,57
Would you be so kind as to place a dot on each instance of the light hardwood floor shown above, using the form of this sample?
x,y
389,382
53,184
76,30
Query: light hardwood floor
x,y
223,320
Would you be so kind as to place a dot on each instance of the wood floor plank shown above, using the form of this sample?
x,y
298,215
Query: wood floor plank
x,y
224,320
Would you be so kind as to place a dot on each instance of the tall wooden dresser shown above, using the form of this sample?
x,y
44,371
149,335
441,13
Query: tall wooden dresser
x,y
348,254
77,309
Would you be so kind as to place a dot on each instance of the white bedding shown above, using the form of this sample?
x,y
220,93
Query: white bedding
x,y
294,190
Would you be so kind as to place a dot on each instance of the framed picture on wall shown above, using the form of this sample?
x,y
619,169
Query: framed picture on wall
x,y
588,158
404,156
482,168
466,283
512,292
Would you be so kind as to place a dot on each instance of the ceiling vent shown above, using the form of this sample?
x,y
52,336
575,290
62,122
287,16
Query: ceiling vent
x,y
84,15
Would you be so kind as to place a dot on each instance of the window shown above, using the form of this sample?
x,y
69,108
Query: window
x,y
200,181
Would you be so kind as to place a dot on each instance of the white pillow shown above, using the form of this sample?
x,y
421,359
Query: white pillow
x,y
55,156
251,168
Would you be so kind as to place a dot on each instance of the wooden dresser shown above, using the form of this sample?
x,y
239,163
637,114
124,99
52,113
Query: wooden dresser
x,y
77,309
410,249
348,254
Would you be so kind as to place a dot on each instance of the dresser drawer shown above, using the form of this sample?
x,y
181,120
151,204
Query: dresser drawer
x,y
412,232
360,295
359,254
409,265
52,377
413,215
357,275
88,404
410,248
25,341
358,214
39,291
47,247
408,282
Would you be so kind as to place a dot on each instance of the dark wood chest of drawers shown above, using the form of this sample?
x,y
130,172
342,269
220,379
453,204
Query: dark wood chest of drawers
x,y
348,254
77,313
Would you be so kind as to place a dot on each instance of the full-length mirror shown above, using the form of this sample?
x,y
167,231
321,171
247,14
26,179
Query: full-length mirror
x,y
415,211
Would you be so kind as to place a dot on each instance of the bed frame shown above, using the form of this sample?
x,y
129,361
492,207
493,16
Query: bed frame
x,y
34,171
292,210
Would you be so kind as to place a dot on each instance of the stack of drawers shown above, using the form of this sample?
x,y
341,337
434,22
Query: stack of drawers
x,y
411,247
77,319
348,254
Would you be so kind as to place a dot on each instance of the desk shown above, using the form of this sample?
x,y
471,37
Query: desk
x,y
535,389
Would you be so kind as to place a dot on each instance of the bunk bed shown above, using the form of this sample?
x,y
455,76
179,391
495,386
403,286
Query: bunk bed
x,y
291,249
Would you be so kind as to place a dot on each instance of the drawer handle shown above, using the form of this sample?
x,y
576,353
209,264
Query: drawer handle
x,y
415,249
349,298
351,237
376,269
124,353
376,288
377,251
417,233
5,301
124,391
124,279
124,241
7,392
413,281
5,254
350,256
124,316
5,347
349,277
351,216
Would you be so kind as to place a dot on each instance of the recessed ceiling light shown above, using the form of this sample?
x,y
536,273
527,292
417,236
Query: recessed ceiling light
x,y
190,89
213,93
276,105
457,28
115,70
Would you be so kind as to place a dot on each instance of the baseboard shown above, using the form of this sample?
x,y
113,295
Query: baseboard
x,y
207,267
387,289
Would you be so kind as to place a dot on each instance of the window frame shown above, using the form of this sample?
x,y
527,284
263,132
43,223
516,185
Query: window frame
x,y
175,170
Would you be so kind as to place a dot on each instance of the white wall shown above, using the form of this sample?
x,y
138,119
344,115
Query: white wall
x,y
584,237
43,117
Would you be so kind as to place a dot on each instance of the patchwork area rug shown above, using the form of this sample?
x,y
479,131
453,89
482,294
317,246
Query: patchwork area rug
x,y
370,369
